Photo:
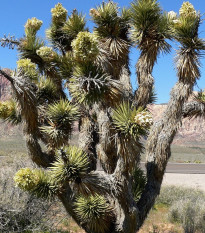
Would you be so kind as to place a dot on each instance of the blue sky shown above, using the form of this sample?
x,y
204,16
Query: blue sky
x,y
14,14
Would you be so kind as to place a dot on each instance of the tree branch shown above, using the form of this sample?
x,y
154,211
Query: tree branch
x,y
194,109
8,77
9,42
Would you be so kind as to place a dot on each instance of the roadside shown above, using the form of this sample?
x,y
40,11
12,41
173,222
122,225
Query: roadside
x,y
196,181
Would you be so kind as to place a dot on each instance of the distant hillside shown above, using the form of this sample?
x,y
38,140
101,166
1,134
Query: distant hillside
x,y
5,94
192,131
5,88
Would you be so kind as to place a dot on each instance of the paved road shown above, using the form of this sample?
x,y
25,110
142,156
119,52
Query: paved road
x,y
184,168
180,168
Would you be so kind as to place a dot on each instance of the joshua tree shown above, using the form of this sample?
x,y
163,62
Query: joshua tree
x,y
84,78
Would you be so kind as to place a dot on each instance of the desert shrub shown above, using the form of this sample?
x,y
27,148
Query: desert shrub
x,y
170,194
190,213
20,211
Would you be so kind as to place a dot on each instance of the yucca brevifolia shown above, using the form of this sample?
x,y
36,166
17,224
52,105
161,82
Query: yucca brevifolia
x,y
112,118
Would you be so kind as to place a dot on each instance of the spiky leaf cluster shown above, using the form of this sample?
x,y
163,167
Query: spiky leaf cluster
x,y
94,211
151,28
112,28
186,32
46,90
9,111
139,181
62,32
186,25
28,47
75,24
90,84
61,116
130,121
71,165
45,188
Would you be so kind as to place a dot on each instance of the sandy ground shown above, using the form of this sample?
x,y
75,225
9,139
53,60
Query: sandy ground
x,y
186,180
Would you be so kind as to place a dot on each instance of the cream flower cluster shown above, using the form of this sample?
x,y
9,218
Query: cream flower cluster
x,y
172,15
187,9
26,64
143,119
59,13
85,46
46,53
26,179
33,24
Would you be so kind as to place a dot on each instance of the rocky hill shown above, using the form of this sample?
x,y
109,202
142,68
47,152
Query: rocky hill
x,y
191,133
5,88
5,93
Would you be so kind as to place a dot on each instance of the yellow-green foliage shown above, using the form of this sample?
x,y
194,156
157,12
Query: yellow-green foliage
x,y
4,110
59,14
26,179
63,112
70,164
46,89
85,47
94,211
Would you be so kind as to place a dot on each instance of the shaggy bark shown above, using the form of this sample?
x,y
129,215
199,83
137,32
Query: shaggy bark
x,y
194,109
158,146
145,80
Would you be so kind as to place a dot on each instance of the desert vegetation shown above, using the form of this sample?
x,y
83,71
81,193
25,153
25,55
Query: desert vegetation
x,y
98,181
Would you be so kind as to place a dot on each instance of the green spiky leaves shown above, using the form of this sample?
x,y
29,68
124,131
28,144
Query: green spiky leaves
x,y
186,25
139,181
61,116
71,164
75,24
150,27
112,28
131,122
186,32
62,32
46,90
90,84
94,211
35,181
